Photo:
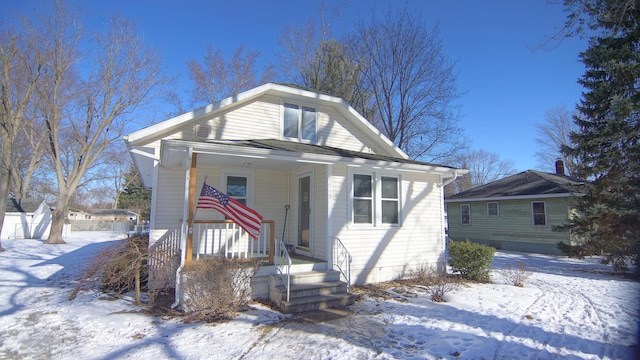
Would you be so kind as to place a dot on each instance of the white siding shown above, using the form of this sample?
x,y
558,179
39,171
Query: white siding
x,y
261,119
169,193
386,253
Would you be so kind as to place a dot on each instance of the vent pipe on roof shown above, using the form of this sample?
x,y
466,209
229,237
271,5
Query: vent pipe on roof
x,y
559,167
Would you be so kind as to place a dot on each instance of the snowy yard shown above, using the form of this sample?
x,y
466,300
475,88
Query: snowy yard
x,y
568,309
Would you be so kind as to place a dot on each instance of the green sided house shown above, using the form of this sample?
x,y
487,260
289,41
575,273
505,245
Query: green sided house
x,y
341,204
516,213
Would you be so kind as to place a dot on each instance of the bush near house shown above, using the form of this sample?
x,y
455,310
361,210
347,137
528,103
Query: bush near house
x,y
217,288
471,260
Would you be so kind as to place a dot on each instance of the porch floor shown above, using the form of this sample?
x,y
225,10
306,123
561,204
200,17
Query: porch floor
x,y
299,259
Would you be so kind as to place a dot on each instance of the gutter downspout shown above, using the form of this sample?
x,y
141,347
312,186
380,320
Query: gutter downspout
x,y
455,176
184,230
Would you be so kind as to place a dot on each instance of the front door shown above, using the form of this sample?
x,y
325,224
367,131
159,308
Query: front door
x,y
304,211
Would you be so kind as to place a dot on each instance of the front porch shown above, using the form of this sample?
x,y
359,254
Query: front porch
x,y
293,281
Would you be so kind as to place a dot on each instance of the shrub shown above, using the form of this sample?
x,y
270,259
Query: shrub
x,y
515,276
471,260
217,288
126,270
437,283
120,267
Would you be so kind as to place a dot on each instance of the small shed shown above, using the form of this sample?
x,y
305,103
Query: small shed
x,y
26,219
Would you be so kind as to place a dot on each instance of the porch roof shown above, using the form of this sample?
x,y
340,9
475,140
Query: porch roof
x,y
287,154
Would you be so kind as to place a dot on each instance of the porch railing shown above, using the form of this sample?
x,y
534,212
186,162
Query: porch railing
x,y
282,262
224,238
164,259
342,261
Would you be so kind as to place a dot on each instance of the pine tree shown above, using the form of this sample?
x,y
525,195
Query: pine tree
x,y
134,196
607,142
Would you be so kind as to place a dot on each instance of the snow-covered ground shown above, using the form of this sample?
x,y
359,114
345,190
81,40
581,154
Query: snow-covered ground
x,y
568,309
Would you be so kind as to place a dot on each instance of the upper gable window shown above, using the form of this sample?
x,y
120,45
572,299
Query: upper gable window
x,y
299,122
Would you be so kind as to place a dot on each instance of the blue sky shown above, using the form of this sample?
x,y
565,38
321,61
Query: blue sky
x,y
507,85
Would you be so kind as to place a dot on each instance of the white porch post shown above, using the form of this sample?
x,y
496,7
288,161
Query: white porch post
x,y
330,203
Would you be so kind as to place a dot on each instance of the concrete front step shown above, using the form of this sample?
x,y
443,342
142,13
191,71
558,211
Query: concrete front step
x,y
310,291
317,302
308,277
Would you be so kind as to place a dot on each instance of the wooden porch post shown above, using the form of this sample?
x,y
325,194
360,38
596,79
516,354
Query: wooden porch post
x,y
192,207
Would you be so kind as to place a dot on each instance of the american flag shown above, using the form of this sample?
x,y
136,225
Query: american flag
x,y
245,217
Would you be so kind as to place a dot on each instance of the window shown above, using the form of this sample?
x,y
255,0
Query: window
x,y
465,214
376,199
389,200
493,209
539,214
362,199
237,188
299,122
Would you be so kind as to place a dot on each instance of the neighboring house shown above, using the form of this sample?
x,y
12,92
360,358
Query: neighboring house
x,y
26,219
300,158
517,212
77,214
102,220
114,215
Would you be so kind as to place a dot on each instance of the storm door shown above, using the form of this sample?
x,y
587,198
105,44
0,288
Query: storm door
x,y
304,211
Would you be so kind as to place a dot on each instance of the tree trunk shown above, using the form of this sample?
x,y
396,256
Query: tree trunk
x,y
5,178
4,197
57,224
138,290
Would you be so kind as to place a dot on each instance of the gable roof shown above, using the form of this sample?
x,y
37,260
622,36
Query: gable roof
x,y
524,185
164,128
28,205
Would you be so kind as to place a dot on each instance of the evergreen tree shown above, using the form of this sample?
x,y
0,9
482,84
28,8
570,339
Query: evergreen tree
x,y
134,196
607,142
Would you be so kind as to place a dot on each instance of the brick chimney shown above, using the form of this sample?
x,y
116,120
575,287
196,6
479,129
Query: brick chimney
x,y
559,167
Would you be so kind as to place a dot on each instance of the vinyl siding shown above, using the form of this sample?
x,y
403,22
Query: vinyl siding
x,y
261,119
390,252
513,229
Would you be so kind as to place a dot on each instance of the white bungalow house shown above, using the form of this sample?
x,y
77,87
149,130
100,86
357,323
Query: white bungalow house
x,y
334,192
26,219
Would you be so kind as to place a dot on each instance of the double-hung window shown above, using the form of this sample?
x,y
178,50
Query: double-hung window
x,y
299,122
376,199
237,188
539,214
390,200
493,209
465,214
362,199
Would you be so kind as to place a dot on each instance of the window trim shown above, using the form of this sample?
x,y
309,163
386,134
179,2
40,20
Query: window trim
x,y
468,206
533,214
497,208
300,106
225,173
376,192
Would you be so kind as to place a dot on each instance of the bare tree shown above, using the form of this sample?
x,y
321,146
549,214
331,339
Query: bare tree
x,y
413,84
484,167
20,74
83,116
301,45
552,135
217,78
